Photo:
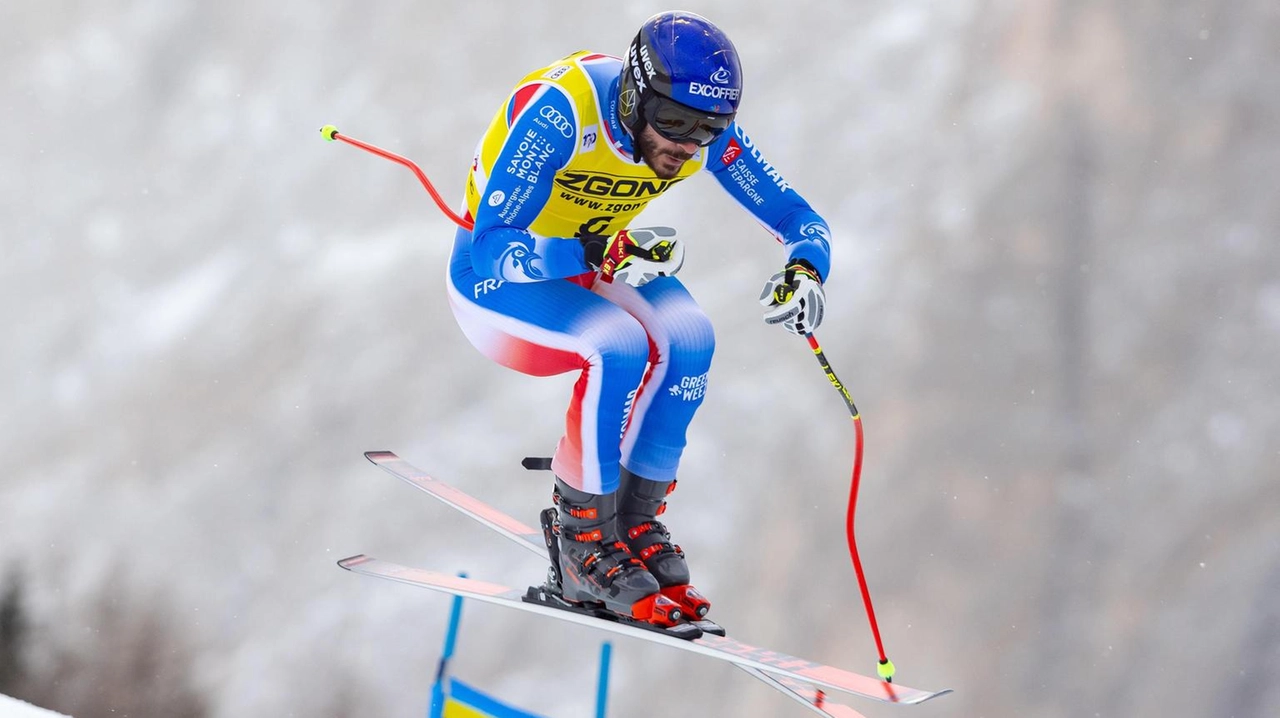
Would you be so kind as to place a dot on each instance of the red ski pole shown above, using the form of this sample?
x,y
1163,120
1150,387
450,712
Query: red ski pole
x,y
331,133
885,668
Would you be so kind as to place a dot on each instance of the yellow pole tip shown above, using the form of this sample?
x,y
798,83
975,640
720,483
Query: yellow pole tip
x,y
328,131
886,670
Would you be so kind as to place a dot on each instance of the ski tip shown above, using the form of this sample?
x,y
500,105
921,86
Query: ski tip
x,y
924,696
353,561
936,694
536,463
379,456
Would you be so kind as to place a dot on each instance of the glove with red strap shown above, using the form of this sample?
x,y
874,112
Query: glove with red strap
x,y
635,256
794,298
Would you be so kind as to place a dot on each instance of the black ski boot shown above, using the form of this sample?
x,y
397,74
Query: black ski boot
x,y
595,565
640,502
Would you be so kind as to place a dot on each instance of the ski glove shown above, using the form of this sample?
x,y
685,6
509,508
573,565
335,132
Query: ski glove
x,y
794,298
635,256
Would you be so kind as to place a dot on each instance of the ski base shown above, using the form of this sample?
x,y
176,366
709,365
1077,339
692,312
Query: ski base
x,y
803,692
724,649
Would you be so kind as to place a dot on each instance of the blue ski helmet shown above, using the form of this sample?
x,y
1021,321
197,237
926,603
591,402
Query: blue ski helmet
x,y
682,78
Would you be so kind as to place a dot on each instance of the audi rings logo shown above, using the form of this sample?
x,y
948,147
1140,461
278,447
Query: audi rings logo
x,y
557,120
720,77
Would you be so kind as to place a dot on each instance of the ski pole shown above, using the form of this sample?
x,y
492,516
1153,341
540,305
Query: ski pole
x,y
885,668
331,133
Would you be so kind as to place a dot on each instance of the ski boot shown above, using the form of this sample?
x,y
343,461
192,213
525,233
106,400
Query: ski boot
x,y
592,566
640,502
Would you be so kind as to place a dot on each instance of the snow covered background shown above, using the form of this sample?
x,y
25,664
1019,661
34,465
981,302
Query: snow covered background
x,y
11,708
1055,298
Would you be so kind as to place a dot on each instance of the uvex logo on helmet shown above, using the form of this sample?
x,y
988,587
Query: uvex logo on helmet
x,y
633,59
649,70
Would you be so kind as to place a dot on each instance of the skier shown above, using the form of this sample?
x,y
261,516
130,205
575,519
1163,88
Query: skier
x,y
552,279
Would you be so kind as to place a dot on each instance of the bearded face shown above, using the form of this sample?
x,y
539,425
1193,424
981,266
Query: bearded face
x,y
663,156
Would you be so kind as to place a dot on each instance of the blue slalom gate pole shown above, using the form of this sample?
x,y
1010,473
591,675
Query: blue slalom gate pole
x,y
602,690
450,640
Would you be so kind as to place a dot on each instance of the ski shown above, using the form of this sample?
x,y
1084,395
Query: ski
x,y
806,695
523,535
719,647
532,540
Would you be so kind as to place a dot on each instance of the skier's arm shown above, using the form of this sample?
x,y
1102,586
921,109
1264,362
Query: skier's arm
x,y
542,139
739,167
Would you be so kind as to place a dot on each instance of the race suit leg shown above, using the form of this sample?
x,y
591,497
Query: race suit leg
x,y
681,344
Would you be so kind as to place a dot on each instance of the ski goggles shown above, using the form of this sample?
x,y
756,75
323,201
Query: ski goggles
x,y
681,123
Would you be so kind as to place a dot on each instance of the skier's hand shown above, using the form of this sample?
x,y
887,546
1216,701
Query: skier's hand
x,y
635,256
794,298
